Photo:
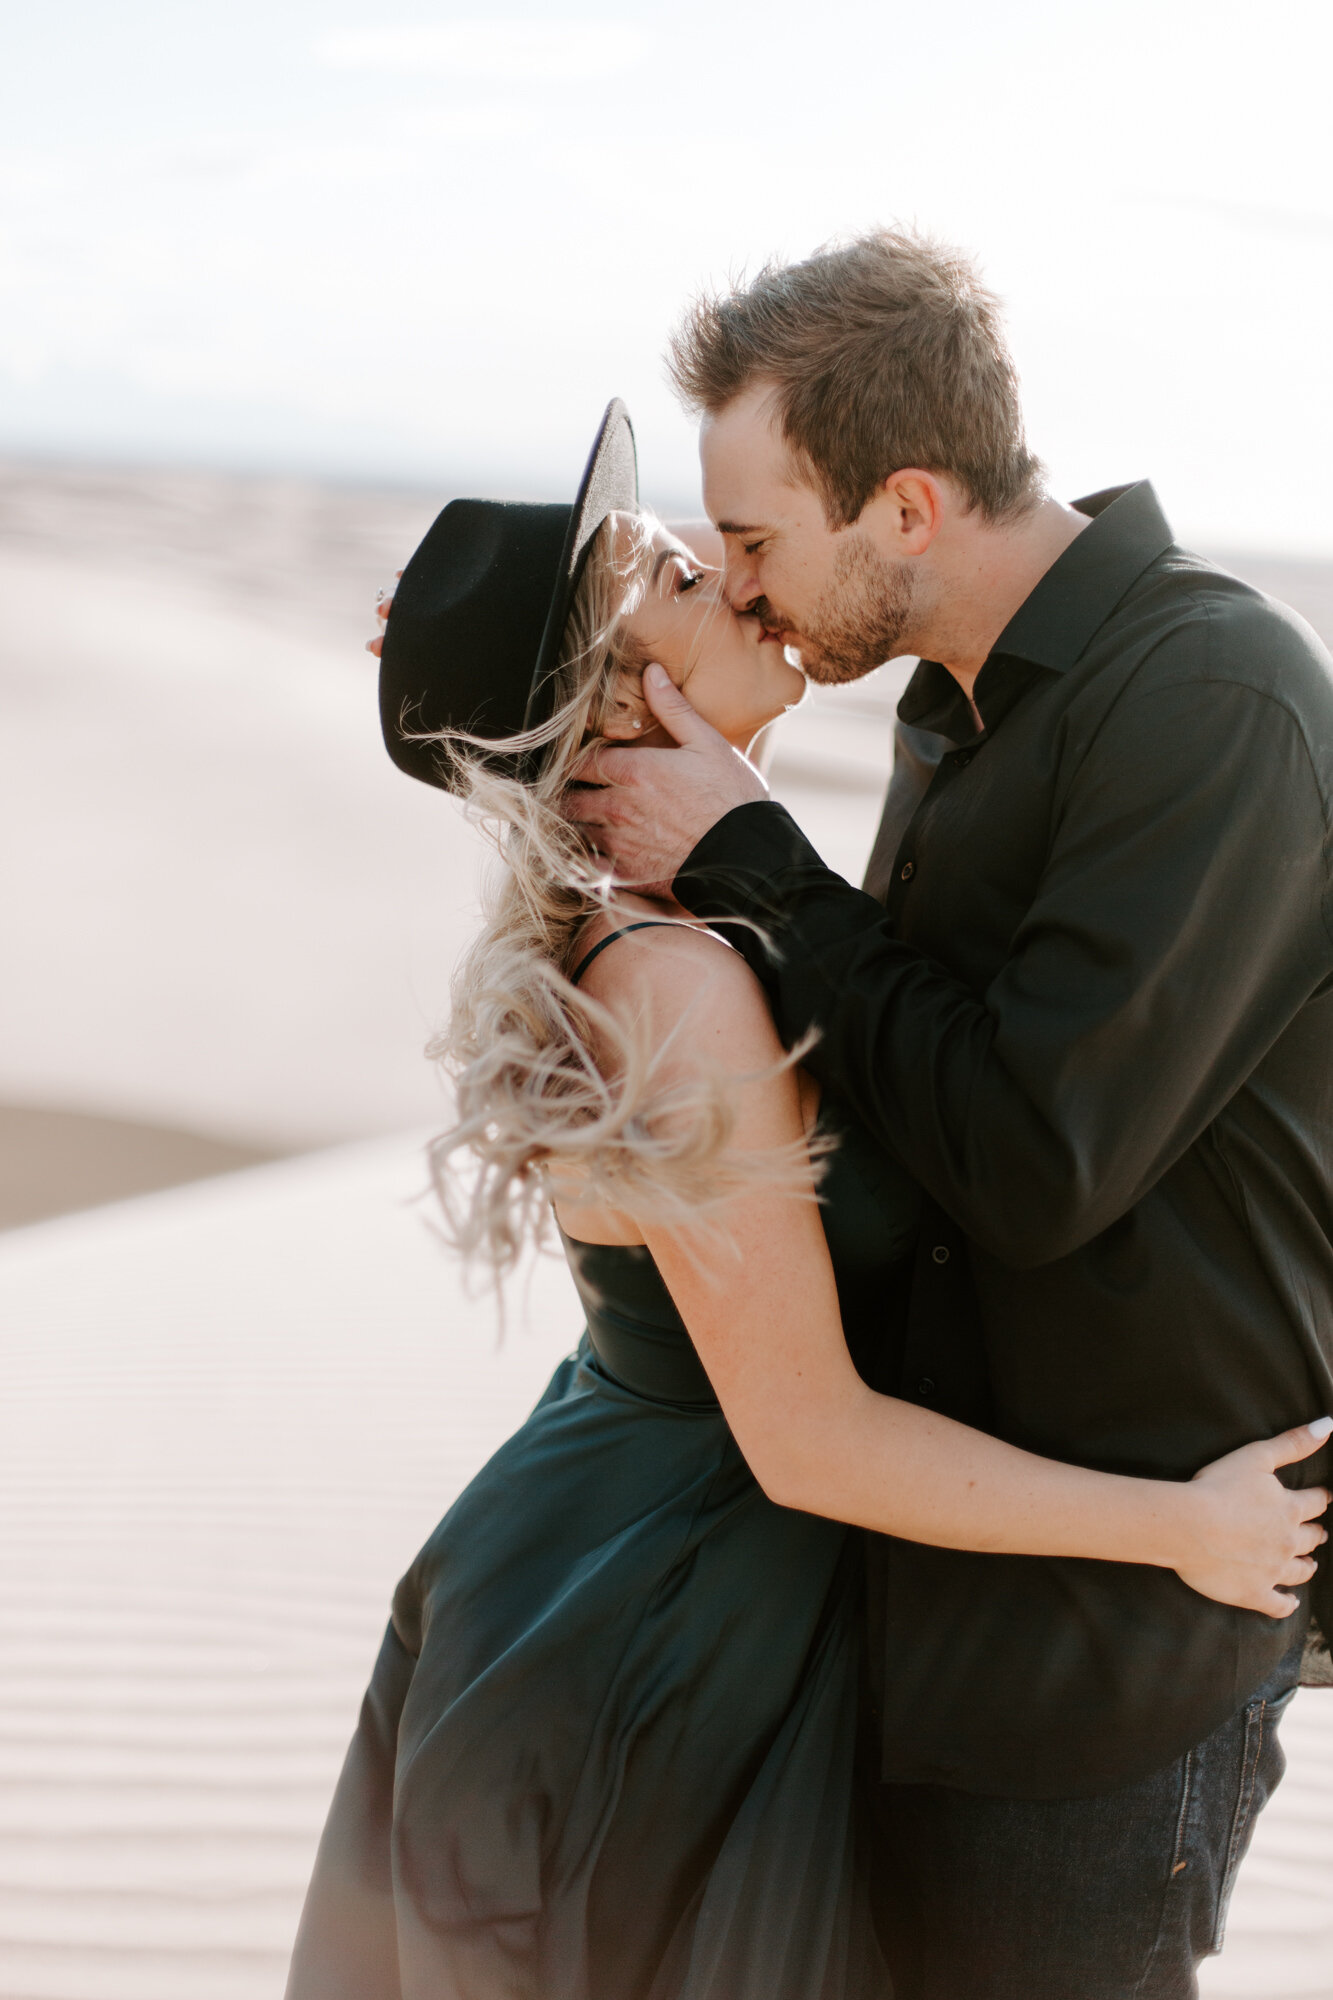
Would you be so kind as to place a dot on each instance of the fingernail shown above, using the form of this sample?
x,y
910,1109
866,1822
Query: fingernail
x,y
656,675
1321,1427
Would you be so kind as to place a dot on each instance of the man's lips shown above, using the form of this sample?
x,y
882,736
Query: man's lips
x,y
770,635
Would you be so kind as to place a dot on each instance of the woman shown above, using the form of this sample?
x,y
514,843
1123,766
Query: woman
x,y
607,1752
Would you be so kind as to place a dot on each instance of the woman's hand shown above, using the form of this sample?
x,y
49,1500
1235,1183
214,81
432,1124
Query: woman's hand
x,y
1255,1534
383,606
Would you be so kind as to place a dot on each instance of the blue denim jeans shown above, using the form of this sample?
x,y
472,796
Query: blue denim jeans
x,y
1110,1898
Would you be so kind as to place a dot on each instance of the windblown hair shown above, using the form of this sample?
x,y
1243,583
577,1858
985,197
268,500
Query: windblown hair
x,y
532,1101
884,353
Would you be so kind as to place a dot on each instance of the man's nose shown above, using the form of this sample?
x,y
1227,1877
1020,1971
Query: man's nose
x,y
740,586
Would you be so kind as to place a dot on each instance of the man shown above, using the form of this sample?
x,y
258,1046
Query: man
x,y
1090,1004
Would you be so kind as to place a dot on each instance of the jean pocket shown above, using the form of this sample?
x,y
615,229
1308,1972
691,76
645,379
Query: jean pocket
x,y
1261,1766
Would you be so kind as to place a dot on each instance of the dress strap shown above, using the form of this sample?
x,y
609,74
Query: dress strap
x,y
645,924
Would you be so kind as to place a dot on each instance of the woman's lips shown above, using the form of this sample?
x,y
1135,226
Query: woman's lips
x,y
790,649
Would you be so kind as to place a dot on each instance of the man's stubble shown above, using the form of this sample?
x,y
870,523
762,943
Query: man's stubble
x,y
860,620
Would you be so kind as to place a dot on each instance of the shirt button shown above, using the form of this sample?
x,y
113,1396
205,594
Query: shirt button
x,y
941,1253
907,871
964,758
926,1386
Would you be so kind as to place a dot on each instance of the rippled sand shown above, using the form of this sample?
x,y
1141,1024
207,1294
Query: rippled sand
x,y
229,1416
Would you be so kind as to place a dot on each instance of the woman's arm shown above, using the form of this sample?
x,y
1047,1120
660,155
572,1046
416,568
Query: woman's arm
x,y
762,1310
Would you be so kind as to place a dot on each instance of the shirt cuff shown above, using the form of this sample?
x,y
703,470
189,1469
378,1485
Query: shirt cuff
x,y
741,865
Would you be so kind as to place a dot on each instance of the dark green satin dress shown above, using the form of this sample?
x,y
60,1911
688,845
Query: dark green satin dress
x,y
607,1752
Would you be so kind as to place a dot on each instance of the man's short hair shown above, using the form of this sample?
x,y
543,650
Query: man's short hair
x,y
885,352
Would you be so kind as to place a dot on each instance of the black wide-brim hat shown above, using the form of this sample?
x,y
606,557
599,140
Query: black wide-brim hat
x,y
473,639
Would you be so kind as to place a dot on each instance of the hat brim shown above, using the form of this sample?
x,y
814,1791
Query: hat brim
x,y
610,485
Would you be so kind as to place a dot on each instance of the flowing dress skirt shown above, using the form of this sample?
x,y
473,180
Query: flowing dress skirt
x,y
608,1749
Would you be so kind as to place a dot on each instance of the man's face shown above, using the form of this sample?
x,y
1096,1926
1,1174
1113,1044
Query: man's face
x,y
831,594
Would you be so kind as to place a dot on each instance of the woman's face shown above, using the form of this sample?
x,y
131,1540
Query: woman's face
x,y
733,675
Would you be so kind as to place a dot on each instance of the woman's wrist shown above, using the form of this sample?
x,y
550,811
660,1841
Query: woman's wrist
x,y
1181,1519
1117,1517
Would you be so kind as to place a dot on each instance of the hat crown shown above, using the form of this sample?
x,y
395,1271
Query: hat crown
x,y
479,614
476,533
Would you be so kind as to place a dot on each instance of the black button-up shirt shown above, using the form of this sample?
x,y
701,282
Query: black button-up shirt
x,y
1094,1016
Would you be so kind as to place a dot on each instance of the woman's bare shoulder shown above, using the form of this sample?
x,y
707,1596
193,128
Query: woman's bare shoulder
x,y
672,963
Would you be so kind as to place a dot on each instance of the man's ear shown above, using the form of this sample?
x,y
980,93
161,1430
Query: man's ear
x,y
911,505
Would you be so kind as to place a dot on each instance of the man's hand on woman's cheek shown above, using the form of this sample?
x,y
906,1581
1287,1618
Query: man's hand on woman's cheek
x,y
652,807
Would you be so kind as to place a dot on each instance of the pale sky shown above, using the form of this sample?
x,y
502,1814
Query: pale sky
x,y
428,243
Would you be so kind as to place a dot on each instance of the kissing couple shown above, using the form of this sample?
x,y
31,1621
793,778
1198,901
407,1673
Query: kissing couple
x,y
898,1591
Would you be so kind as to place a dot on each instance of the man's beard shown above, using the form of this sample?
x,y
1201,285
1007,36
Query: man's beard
x,y
860,620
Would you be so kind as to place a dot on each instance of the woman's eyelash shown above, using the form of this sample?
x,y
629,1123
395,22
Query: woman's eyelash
x,y
688,581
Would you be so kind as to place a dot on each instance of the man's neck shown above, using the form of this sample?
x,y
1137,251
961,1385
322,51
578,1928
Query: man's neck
x,y
987,572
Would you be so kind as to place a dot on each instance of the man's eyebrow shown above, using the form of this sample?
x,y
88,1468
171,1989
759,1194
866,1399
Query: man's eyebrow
x,y
738,528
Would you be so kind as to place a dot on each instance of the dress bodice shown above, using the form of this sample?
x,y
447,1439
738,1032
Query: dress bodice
x,y
869,1206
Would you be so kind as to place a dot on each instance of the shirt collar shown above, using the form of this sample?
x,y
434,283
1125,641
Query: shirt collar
x,y
1082,587
1078,593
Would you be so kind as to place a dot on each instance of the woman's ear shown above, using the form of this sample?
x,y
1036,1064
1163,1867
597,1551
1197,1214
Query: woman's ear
x,y
629,714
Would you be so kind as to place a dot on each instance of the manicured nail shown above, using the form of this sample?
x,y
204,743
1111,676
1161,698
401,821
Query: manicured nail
x,y
1321,1427
656,676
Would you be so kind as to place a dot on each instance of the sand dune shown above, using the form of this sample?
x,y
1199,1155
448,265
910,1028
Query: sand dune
x,y
229,1416
226,913
52,1162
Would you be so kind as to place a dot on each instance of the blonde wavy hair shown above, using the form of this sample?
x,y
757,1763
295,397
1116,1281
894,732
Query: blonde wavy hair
x,y
532,1102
